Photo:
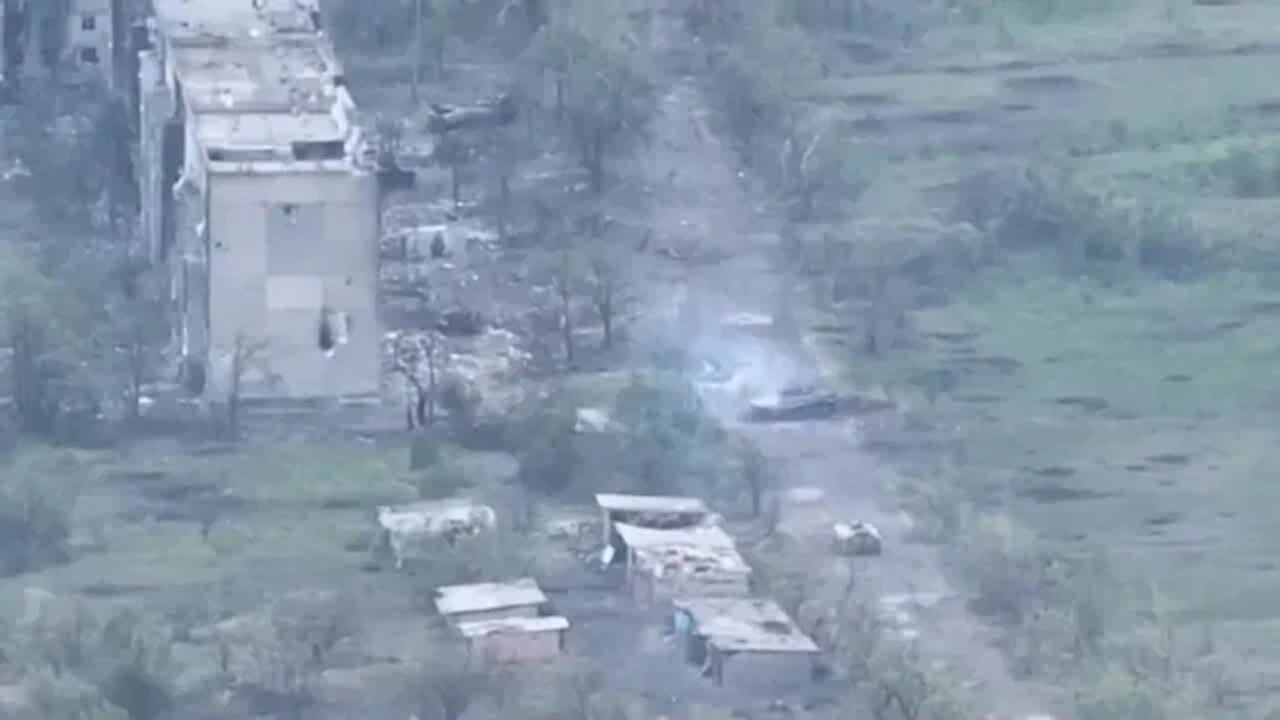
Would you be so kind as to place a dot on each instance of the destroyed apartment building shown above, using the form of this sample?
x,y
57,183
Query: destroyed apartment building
x,y
255,201
503,622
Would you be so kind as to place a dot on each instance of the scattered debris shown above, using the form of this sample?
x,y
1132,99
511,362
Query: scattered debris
x,y
590,420
500,111
405,529
797,402
700,561
856,538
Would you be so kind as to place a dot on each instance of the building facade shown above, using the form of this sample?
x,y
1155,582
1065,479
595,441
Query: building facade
x,y
255,200
76,40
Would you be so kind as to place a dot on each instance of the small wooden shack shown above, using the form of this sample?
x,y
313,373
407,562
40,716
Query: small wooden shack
x,y
648,511
699,561
503,622
745,642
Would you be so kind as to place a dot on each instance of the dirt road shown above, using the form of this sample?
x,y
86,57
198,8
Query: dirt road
x,y
699,202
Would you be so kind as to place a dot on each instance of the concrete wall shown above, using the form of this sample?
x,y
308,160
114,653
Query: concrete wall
x,y
517,647
288,251
777,673
648,591
155,109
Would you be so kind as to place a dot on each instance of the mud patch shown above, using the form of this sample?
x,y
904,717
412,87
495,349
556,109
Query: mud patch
x,y
978,399
1137,468
1268,108
104,589
947,117
1053,471
864,100
1162,519
1170,459
1049,493
1176,378
1002,365
1044,83
136,477
953,338
179,492
1086,403
866,124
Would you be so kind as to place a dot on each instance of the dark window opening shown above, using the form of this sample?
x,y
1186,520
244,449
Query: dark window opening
x,y
89,22
194,378
335,330
89,56
322,150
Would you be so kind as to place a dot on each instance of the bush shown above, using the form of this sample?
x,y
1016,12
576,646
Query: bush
x,y
118,662
1022,208
35,516
1007,571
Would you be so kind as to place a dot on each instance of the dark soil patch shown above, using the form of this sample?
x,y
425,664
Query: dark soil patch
x,y
103,589
1168,49
1176,378
830,329
1017,107
1137,468
1174,459
978,399
136,477
1002,365
868,100
1083,402
866,124
1049,493
1267,108
954,337
1162,519
1266,307
341,503
1053,471
1043,83
948,117
179,492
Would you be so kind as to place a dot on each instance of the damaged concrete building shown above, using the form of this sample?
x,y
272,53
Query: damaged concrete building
x,y
255,200
74,39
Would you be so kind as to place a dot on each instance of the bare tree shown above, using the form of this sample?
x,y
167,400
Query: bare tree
x,y
454,153
245,354
565,285
757,475
607,295
418,359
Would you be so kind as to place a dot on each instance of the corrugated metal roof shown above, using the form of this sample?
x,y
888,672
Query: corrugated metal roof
x,y
484,597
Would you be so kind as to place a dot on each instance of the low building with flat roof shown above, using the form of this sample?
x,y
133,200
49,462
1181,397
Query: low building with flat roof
x,y
745,642
503,622
697,561
515,639
651,511
490,601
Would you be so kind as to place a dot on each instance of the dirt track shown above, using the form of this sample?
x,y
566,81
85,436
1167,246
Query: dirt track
x,y
698,200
